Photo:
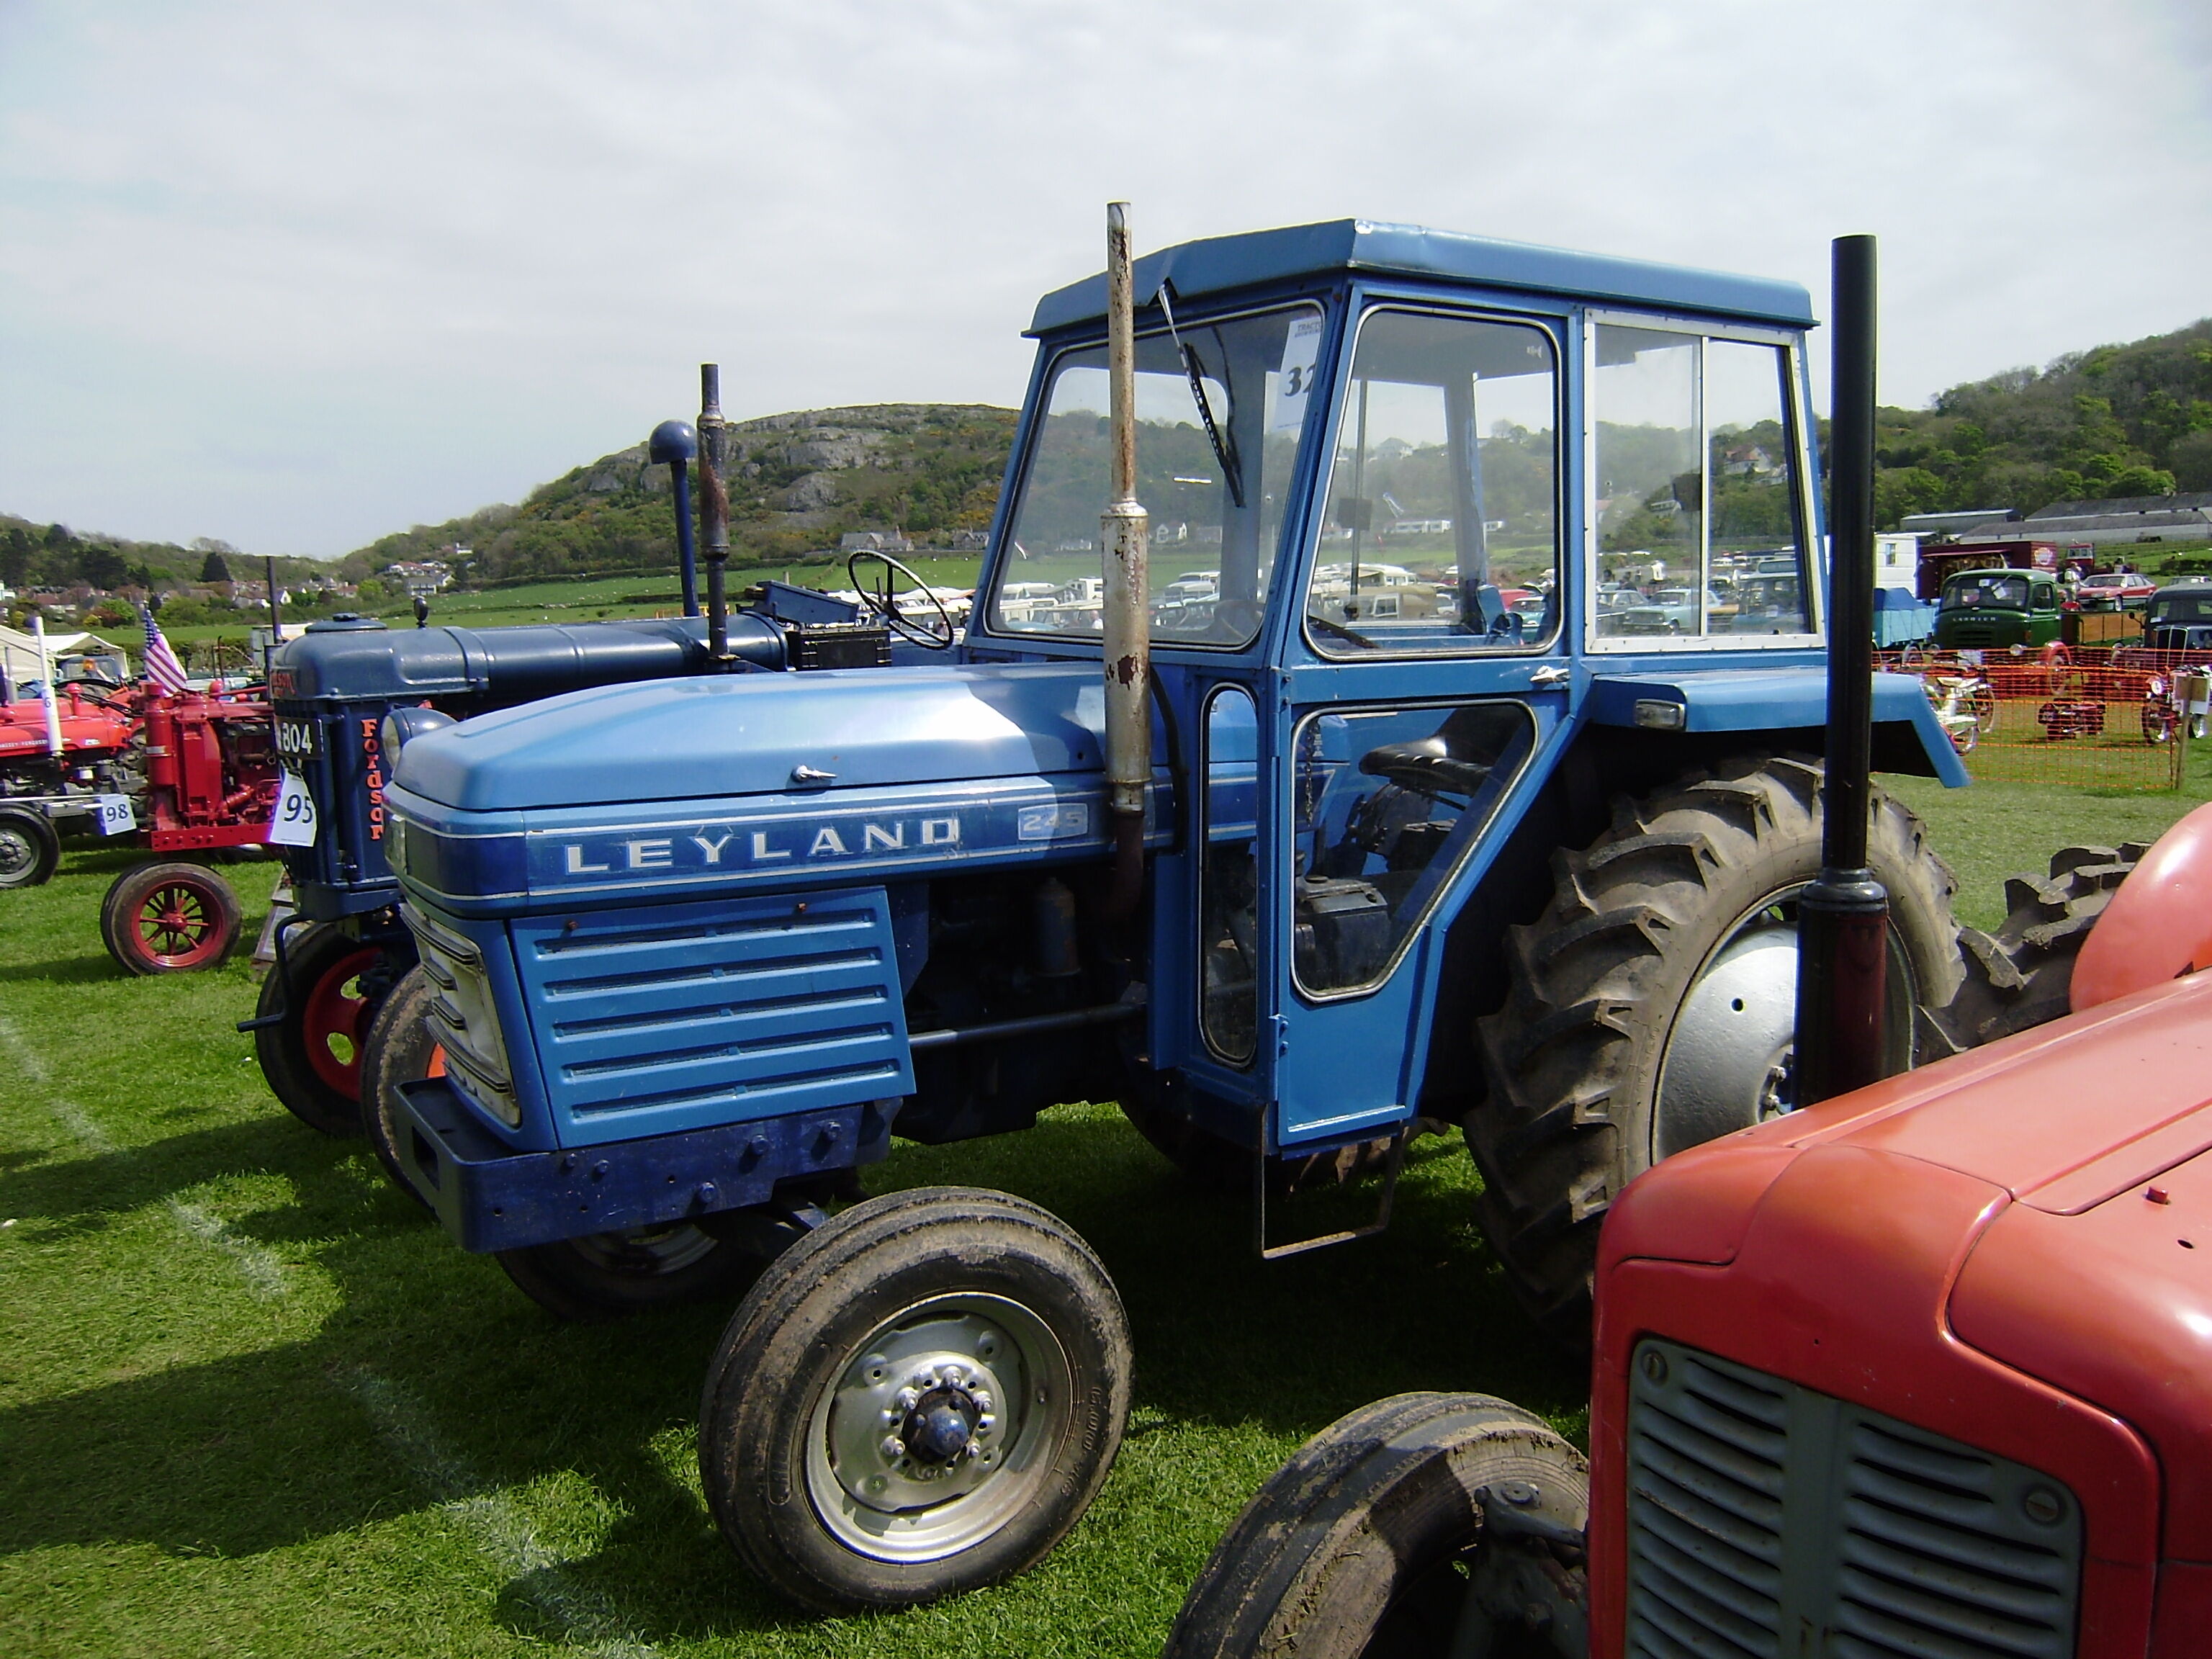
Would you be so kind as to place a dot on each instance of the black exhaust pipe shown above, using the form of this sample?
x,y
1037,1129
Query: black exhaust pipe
x,y
1842,917
674,444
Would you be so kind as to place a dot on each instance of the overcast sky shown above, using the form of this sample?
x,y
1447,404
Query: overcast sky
x,y
297,276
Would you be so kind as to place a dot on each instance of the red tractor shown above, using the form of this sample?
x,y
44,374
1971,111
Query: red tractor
x,y
1926,1369
211,777
192,772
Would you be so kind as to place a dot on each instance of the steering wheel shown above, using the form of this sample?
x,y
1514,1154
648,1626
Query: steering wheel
x,y
885,606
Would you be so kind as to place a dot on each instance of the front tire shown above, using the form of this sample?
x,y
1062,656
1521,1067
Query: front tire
x,y
921,1397
1367,1544
169,919
311,1059
401,1049
29,848
608,1276
1653,1005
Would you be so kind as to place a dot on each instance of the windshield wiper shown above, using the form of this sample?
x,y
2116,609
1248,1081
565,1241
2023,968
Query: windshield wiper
x,y
1225,446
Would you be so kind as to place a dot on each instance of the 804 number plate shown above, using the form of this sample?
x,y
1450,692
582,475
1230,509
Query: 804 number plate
x,y
296,740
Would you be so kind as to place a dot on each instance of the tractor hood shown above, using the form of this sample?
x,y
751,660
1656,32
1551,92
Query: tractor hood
x,y
682,740
687,789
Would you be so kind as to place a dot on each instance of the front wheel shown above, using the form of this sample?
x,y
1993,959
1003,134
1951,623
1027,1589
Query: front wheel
x,y
401,1049
311,1058
1653,1005
921,1397
169,919
1426,1524
606,1276
29,848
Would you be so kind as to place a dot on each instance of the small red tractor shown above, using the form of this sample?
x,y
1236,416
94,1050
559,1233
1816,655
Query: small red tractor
x,y
191,772
1926,1369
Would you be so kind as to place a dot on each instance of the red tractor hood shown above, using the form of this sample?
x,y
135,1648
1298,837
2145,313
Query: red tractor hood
x,y
2088,1265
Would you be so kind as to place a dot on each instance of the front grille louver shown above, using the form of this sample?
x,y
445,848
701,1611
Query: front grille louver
x,y
1767,1521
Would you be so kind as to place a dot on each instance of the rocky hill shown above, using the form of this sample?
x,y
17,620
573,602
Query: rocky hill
x,y
796,482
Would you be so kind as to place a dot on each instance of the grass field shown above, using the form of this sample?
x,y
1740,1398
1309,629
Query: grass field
x,y
252,1402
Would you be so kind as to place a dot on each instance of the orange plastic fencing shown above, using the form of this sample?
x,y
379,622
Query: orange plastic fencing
x,y
2103,718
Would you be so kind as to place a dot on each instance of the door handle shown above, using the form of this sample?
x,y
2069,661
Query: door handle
x,y
1552,674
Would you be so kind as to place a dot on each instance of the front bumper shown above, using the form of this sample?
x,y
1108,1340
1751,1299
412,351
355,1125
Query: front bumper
x,y
490,1197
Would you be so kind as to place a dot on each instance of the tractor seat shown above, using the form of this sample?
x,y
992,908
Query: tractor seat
x,y
1426,766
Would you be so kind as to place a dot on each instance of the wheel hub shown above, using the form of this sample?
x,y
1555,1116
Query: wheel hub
x,y
941,1426
1728,1061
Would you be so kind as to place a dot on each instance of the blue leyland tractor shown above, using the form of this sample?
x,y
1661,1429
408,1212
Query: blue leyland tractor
x,y
344,960
1314,802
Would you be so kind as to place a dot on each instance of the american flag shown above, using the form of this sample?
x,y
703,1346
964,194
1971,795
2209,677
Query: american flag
x,y
161,665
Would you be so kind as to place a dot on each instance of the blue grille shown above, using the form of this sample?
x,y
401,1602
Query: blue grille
x,y
1764,1519
682,1016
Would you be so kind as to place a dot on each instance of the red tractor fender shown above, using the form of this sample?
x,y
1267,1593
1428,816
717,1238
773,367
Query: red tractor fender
x,y
2158,926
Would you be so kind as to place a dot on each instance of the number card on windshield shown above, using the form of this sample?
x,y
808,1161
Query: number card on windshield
x,y
1299,352
293,824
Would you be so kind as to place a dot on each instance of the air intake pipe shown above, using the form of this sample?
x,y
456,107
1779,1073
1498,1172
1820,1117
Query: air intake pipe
x,y
1126,534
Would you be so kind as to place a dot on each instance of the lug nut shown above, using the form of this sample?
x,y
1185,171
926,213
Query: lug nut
x,y
893,1448
908,1398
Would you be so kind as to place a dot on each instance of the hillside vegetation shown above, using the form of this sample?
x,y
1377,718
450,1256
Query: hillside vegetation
x,y
796,482
2118,421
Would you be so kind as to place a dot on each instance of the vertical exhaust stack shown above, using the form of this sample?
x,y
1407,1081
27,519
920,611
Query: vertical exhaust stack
x,y
673,444
1842,917
1126,534
713,505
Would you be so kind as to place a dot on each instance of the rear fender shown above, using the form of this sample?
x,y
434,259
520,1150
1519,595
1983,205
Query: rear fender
x,y
2158,926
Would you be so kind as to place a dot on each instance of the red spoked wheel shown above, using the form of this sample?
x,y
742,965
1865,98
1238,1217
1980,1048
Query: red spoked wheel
x,y
169,919
328,996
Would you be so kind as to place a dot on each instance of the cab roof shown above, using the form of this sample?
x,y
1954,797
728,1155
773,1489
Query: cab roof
x,y
1219,264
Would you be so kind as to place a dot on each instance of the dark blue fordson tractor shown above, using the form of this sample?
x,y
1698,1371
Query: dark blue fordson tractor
x,y
1321,798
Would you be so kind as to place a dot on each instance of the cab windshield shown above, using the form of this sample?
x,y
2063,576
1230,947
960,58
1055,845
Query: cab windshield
x,y
1985,592
1215,499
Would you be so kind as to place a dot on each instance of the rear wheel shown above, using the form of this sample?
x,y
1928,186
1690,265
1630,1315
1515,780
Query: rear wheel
x,y
1375,1542
401,1049
29,848
2022,976
329,993
1653,1005
921,1397
169,919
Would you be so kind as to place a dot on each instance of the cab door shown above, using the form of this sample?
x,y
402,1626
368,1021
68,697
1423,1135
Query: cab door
x,y
1424,696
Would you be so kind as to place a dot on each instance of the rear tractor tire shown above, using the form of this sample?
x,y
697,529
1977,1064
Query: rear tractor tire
x,y
29,848
2022,976
169,919
1653,1005
329,991
921,1397
1375,1542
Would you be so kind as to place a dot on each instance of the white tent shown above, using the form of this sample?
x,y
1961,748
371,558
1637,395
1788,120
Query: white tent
x,y
19,652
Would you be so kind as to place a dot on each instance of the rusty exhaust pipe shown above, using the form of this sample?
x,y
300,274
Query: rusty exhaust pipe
x,y
1125,532
714,507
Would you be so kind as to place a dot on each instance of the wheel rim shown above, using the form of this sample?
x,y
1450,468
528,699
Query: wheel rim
x,y
178,924
938,1428
335,1023
18,856
1730,1059
647,1253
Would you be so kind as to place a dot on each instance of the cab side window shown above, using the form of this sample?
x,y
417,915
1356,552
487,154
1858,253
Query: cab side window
x,y
1700,504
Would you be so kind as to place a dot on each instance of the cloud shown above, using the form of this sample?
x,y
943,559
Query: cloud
x,y
299,276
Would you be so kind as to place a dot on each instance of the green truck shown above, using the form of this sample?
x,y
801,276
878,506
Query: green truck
x,y
1984,610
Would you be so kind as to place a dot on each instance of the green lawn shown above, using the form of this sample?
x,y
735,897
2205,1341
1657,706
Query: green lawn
x,y
252,1402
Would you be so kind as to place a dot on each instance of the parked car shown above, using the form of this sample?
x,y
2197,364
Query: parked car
x,y
2114,590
